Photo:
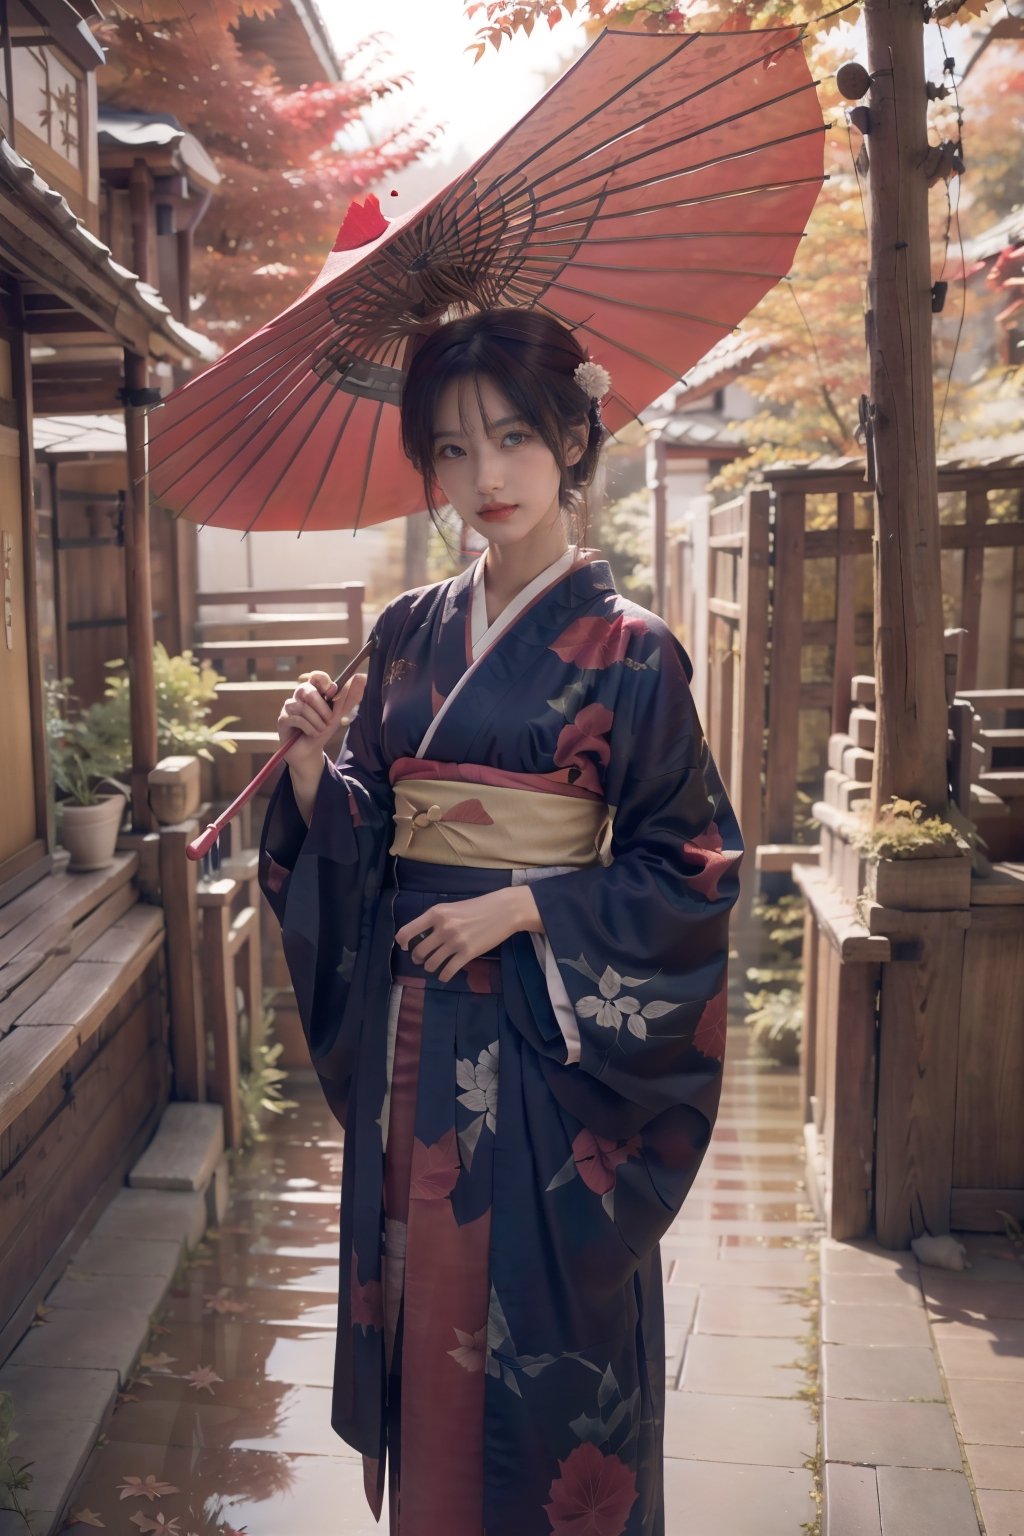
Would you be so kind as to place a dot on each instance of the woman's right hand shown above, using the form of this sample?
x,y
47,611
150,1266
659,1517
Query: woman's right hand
x,y
314,710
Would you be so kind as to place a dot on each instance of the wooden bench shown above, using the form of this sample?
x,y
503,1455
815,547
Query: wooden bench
x,y
52,1028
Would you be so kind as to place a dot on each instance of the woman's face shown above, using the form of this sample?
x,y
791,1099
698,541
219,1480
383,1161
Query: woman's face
x,y
497,472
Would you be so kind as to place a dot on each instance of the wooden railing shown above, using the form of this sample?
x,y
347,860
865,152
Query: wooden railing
x,y
780,583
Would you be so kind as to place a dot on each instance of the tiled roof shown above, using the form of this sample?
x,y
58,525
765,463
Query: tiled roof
x,y
30,187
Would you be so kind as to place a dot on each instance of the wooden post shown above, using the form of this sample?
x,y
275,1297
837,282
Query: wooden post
x,y
138,593
140,198
910,752
179,894
417,534
658,487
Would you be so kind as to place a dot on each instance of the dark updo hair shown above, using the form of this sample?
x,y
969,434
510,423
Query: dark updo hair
x,y
531,358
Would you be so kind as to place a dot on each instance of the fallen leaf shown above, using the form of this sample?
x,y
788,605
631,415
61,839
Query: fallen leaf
x,y
86,1517
159,1523
144,1488
42,1313
223,1303
159,1328
203,1376
159,1362
231,1530
127,1397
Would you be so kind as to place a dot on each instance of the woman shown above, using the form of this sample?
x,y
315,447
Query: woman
x,y
505,910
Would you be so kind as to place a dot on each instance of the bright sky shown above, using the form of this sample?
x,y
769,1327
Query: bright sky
x,y
474,103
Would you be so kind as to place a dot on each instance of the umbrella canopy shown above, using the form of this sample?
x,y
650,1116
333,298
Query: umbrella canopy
x,y
649,200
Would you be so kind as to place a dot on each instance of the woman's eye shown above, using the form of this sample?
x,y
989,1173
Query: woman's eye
x,y
513,439
448,451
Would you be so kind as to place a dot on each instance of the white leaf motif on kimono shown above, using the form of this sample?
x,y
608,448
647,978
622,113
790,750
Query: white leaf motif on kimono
x,y
480,1083
611,1011
472,1349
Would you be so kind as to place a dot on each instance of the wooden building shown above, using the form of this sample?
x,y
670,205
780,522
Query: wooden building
x,y
84,1065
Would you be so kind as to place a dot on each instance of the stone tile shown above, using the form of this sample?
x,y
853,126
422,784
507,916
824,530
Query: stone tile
x,y
850,1501
128,1256
925,1503
845,1323
743,1228
962,1297
892,1290
893,1434
188,1144
105,1341
981,1356
988,1412
707,1426
250,1351
680,1306
742,1367
156,1214
275,1308
705,1498
53,1392
58,1449
1003,1513
998,1466
137,1293
740,1310
778,1272
882,1372
865,1258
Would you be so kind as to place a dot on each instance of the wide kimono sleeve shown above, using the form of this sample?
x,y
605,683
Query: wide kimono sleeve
x,y
641,944
324,883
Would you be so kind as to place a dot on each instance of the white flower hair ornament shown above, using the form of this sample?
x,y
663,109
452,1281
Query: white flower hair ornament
x,y
594,380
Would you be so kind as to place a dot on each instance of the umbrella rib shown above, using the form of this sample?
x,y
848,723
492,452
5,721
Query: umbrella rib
x,y
703,129
694,202
296,346
620,346
687,234
287,370
651,309
321,482
262,425
689,170
574,128
668,271
287,465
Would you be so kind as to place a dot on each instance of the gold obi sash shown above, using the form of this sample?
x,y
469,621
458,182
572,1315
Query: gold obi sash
x,y
490,826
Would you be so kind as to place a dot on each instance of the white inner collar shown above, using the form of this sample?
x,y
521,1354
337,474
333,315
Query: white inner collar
x,y
483,634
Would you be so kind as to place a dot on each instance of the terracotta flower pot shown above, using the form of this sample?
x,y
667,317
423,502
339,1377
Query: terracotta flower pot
x,y
89,832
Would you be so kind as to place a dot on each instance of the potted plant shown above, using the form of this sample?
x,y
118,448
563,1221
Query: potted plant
x,y
84,757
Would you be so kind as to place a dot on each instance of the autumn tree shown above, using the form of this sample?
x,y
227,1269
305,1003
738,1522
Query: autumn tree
x,y
290,159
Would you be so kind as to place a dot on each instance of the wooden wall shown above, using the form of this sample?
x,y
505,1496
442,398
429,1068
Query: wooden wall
x,y
72,1146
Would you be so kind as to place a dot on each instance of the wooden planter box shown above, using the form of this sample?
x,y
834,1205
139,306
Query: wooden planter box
x,y
919,884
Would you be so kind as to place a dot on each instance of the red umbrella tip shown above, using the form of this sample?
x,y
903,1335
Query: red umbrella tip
x,y
363,223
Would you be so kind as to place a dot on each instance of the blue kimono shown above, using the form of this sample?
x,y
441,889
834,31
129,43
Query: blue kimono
x,y
518,1139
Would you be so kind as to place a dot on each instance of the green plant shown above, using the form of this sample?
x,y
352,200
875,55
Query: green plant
x,y
776,1022
185,690
15,1477
904,830
260,1087
92,745
85,749
622,531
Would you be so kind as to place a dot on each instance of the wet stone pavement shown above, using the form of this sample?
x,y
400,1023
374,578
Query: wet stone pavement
x,y
226,1426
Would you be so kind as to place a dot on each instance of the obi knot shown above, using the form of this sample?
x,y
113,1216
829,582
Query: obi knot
x,y
428,817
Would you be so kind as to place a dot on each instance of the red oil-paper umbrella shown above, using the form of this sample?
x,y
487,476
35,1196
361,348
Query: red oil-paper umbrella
x,y
649,200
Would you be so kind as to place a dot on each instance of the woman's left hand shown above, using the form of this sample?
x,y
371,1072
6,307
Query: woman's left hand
x,y
447,936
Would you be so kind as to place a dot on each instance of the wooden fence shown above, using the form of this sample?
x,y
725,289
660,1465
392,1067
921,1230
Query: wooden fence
x,y
783,576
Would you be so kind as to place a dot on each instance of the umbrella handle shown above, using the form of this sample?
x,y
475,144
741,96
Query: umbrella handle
x,y
201,845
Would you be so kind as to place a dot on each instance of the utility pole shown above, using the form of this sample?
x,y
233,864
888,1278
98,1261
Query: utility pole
x,y
910,703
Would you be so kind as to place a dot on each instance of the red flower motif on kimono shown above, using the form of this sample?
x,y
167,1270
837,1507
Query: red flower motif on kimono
x,y
434,1169
367,1303
583,741
597,1157
593,1496
597,642
710,1036
707,850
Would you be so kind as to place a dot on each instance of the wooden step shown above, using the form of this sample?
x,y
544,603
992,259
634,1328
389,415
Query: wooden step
x,y
58,1023
1007,783
315,592
279,626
